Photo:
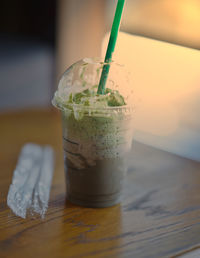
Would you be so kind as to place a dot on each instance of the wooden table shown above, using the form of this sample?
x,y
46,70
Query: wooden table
x,y
159,215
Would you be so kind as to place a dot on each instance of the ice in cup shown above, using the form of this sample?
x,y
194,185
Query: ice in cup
x,y
97,132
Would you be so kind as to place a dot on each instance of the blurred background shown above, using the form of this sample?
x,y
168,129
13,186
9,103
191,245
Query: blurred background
x,y
159,42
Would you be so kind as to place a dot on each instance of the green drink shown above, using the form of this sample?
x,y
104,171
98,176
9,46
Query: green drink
x,y
97,135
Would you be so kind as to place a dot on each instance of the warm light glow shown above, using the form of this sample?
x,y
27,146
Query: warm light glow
x,y
166,82
170,20
189,20
190,11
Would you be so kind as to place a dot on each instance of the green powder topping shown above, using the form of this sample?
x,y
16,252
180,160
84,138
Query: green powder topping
x,y
90,98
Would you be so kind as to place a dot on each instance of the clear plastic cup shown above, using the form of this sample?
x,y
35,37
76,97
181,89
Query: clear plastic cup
x,y
96,141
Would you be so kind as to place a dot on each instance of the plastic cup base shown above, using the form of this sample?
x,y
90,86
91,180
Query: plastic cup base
x,y
93,204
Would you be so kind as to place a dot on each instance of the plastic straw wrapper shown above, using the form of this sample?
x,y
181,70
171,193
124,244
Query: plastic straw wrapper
x,y
43,185
31,183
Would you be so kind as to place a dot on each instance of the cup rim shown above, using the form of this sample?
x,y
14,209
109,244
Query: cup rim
x,y
88,108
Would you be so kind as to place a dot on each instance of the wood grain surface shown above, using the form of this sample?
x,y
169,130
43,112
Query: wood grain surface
x,y
158,217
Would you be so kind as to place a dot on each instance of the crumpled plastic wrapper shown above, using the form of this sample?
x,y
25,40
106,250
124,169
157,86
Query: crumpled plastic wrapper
x,y
29,192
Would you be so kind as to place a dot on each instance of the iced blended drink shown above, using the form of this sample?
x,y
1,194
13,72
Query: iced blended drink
x,y
97,133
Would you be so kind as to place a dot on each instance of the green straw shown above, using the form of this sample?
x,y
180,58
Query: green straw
x,y
111,46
